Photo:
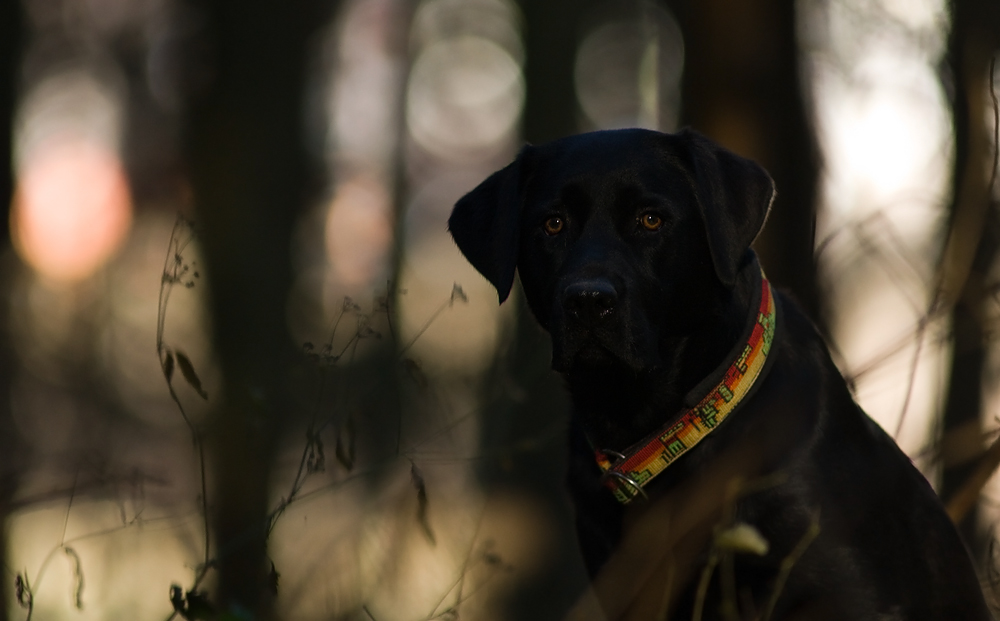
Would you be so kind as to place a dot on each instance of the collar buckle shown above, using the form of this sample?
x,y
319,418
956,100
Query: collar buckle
x,y
611,474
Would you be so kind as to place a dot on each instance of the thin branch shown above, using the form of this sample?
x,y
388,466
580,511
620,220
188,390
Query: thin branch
x,y
789,562
69,507
911,378
427,324
959,505
174,271
996,125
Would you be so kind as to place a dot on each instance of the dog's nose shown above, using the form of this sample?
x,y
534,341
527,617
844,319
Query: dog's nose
x,y
590,301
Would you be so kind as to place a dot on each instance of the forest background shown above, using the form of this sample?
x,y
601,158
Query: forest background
x,y
244,372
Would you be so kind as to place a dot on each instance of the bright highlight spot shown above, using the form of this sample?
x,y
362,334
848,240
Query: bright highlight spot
x,y
465,94
72,208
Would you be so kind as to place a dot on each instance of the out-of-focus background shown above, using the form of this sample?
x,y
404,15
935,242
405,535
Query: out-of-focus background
x,y
244,372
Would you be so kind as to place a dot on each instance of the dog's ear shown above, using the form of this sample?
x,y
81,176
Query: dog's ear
x,y
734,196
486,222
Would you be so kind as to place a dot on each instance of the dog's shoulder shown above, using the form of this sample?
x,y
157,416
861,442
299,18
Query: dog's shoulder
x,y
850,474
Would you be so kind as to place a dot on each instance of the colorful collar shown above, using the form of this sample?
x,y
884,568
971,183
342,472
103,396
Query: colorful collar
x,y
631,471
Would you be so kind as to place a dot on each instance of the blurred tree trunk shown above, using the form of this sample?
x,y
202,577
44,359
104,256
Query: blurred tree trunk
x,y
10,56
974,235
742,88
250,175
551,36
11,29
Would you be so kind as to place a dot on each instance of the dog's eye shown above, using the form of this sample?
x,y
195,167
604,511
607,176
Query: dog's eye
x,y
651,221
554,225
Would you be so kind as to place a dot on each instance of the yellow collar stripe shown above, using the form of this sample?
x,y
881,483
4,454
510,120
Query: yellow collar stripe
x,y
639,464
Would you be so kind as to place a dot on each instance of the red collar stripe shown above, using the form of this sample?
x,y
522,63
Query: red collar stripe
x,y
650,457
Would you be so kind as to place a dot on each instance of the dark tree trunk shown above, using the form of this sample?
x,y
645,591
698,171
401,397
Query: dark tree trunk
x,y
11,30
11,25
974,233
551,36
250,172
742,88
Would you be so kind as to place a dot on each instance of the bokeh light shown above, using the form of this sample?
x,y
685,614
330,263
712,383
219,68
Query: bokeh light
x,y
71,210
883,124
465,94
72,206
628,72
413,104
359,231
464,102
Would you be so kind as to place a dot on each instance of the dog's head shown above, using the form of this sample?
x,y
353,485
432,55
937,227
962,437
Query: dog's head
x,y
624,240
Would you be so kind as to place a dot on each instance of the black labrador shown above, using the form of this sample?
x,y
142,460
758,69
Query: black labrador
x,y
720,467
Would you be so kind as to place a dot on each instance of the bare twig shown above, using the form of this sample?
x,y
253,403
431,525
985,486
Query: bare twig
x,y
703,582
911,377
965,498
789,562
996,124
175,270
959,505
456,294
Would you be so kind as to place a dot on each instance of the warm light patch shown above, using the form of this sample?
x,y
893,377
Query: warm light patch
x,y
72,208
358,230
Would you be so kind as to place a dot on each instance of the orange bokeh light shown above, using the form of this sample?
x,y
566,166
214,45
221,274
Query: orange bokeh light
x,y
72,208
359,230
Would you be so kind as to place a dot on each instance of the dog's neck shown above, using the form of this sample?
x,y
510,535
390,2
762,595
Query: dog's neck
x,y
618,406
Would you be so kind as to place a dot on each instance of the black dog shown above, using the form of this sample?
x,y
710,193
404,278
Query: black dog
x,y
782,499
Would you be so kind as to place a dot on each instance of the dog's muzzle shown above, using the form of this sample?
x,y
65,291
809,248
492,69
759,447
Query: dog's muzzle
x,y
590,326
590,302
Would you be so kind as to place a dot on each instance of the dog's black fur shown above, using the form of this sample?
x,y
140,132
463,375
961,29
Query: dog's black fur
x,y
639,317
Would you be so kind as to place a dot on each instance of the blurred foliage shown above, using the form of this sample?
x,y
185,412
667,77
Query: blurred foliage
x,y
362,475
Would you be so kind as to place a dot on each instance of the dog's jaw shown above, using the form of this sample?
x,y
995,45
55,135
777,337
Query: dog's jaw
x,y
619,342
619,401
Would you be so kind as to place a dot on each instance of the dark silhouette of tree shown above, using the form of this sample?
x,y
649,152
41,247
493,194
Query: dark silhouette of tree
x,y
551,36
251,178
973,235
11,28
742,87
10,55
